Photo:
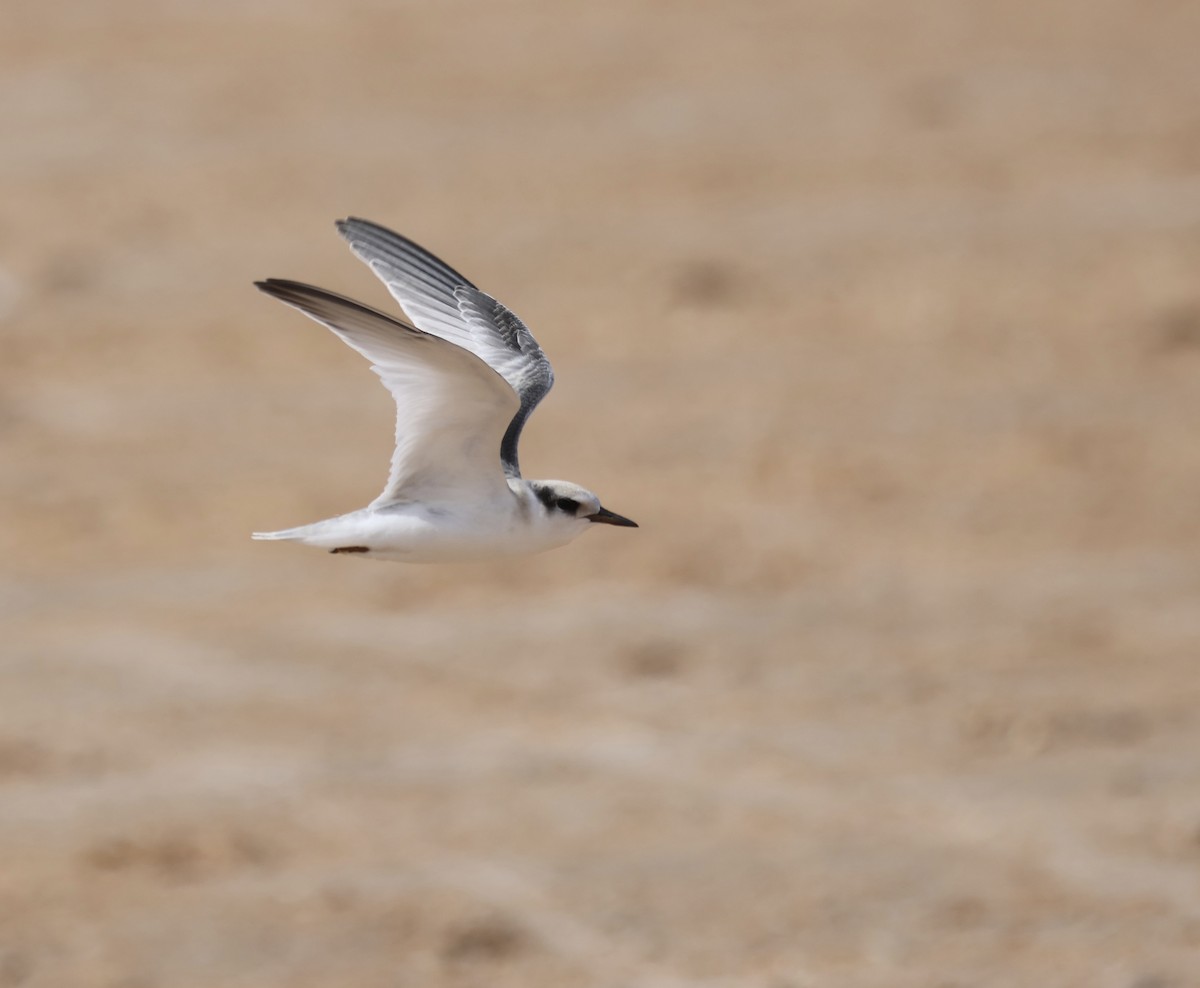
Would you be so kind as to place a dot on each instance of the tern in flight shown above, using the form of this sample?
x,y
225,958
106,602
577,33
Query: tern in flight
x,y
465,375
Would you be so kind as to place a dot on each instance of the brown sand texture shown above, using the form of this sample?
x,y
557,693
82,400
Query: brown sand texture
x,y
882,319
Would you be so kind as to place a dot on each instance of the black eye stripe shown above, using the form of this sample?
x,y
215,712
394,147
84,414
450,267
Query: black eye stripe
x,y
555,503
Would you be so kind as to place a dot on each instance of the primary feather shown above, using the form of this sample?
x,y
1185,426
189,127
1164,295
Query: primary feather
x,y
443,303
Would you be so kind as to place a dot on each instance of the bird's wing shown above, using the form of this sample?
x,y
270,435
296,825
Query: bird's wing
x,y
441,301
451,408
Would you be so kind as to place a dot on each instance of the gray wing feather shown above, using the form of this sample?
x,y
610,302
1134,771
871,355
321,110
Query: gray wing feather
x,y
442,302
524,367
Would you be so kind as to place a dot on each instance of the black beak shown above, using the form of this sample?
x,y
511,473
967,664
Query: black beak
x,y
612,518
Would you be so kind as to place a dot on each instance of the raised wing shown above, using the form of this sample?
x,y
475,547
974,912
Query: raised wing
x,y
442,302
451,408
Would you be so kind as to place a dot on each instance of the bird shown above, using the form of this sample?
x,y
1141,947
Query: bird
x,y
466,373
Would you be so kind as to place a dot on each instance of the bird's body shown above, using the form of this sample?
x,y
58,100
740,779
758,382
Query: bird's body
x,y
515,522
465,378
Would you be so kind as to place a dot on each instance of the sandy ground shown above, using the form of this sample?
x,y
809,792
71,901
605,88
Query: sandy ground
x,y
882,319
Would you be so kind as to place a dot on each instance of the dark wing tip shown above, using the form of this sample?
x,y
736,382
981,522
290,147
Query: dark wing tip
x,y
271,286
283,288
373,243
316,301
351,225
352,228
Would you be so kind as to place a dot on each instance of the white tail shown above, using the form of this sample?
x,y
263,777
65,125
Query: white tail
x,y
287,533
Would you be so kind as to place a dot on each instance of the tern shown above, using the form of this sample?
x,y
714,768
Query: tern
x,y
465,375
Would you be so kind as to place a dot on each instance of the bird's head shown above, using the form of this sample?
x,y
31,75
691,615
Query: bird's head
x,y
569,504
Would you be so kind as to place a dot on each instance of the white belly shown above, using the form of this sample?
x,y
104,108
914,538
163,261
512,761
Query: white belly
x,y
425,534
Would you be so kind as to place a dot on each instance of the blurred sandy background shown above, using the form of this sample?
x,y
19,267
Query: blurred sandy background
x,y
882,319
